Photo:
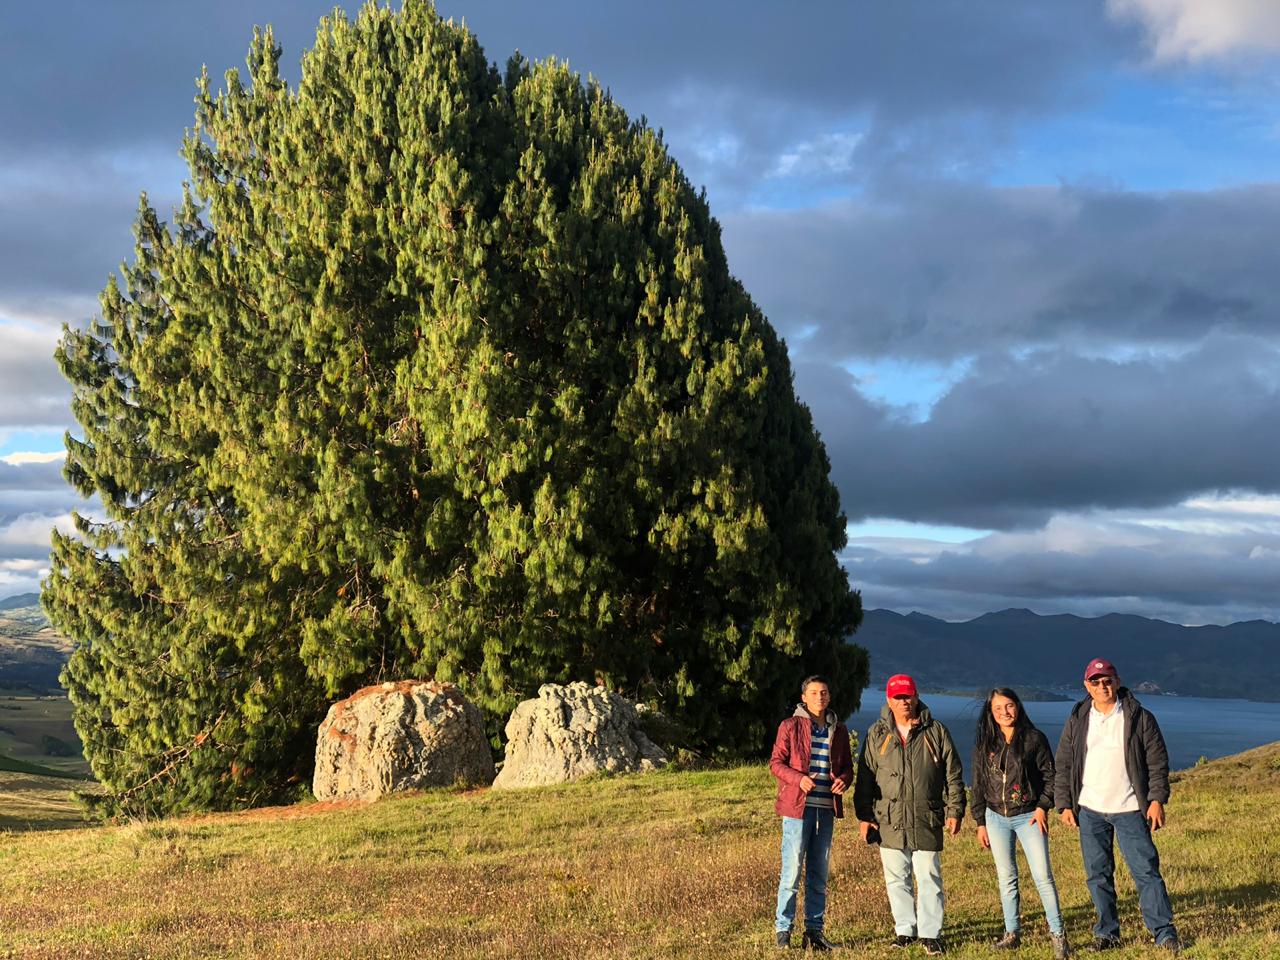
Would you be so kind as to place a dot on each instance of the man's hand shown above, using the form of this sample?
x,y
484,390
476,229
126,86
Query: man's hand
x,y
838,786
806,784
983,838
953,825
1041,820
1069,817
865,827
1155,814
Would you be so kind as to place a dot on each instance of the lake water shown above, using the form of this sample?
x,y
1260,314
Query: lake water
x,y
1193,727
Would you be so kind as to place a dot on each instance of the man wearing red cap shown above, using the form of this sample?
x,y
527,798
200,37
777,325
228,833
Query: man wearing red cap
x,y
1112,783
909,783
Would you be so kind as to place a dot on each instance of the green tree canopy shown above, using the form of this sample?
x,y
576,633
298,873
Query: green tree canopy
x,y
438,371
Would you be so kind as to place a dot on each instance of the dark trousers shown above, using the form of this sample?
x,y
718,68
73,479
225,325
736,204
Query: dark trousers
x,y
1131,830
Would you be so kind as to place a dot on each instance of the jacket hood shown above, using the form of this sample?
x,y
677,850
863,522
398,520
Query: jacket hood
x,y
802,711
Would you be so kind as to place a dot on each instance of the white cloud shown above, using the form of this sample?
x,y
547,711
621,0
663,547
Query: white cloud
x,y
1196,30
17,459
27,537
1159,563
825,154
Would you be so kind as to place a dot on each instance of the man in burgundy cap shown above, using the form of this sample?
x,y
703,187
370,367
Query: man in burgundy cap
x,y
1112,783
909,785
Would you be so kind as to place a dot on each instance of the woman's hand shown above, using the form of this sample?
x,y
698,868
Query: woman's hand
x,y
1041,820
983,838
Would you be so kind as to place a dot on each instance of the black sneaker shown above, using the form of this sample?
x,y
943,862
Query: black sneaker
x,y
902,940
933,947
814,940
1104,943
1172,944
784,939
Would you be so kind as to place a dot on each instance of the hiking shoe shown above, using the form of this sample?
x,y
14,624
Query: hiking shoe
x,y
933,947
902,940
784,939
814,940
1105,943
1172,944
1010,941
1059,942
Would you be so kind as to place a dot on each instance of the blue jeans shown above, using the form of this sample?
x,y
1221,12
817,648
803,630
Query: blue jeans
x,y
1134,835
1002,832
805,840
920,915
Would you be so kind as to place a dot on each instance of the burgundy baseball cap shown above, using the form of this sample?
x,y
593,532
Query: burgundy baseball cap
x,y
900,685
1100,668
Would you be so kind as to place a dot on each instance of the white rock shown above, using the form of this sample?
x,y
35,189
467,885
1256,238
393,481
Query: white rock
x,y
405,735
574,731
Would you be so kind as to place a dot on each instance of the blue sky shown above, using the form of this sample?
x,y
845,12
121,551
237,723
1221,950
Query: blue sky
x,y
1023,255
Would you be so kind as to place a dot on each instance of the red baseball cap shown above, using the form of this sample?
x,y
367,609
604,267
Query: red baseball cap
x,y
900,685
1100,668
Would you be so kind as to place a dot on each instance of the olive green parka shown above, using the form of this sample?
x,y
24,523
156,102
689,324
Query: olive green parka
x,y
909,789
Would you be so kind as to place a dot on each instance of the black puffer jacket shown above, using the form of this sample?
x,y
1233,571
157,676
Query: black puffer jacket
x,y
1145,757
1026,783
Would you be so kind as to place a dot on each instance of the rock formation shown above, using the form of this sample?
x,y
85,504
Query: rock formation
x,y
400,736
574,731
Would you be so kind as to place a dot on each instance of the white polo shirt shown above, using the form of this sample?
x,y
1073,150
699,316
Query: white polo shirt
x,y
1106,787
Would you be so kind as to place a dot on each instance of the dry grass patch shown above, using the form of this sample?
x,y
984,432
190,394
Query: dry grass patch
x,y
665,865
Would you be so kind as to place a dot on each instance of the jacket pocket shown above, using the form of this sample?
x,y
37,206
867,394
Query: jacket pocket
x,y
884,812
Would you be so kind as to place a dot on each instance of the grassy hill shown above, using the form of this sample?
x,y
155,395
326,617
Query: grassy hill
x,y
665,865
31,652
37,736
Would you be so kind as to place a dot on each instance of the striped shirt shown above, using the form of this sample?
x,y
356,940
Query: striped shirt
x,y
820,769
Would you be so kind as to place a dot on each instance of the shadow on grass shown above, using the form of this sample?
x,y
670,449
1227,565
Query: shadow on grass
x,y
1244,895
20,824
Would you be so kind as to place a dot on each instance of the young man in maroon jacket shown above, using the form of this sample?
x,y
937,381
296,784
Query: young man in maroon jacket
x,y
813,764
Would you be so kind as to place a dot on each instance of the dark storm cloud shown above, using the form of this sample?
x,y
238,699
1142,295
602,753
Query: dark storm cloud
x,y
907,59
925,85
121,73
34,476
32,390
954,270
106,91
66,227
1174,576
1017,440
92,76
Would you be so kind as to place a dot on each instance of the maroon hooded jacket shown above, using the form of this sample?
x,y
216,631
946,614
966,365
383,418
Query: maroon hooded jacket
x,y
790,760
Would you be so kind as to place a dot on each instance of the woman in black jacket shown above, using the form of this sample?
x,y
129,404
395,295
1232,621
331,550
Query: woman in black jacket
x,y
1012,794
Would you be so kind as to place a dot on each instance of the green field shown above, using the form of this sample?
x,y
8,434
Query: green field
x,y
35,732
664,865
35,788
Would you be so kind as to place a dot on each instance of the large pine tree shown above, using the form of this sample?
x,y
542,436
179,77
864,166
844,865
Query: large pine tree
x,y
439,371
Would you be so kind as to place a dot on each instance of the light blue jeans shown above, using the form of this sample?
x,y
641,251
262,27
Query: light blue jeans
x,y
1002,831
805,840
919,915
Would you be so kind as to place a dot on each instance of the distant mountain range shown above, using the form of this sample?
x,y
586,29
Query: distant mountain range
x,y
19,601
1019,648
